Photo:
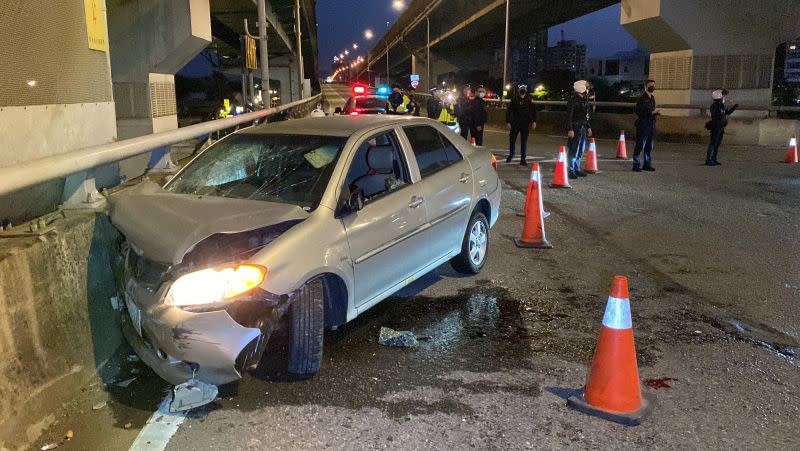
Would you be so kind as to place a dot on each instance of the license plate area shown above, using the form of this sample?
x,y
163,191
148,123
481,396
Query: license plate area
x,y
135,313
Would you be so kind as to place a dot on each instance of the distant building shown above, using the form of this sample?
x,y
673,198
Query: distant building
x,y
566,56
791,66
527,57
630,67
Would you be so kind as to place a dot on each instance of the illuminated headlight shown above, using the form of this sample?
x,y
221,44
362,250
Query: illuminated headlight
x,y
213,285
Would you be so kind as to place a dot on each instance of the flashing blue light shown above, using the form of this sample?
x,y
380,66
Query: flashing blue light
x,y
384,90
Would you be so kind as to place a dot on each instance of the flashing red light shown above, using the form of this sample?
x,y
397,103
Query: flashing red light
x,y
494,162
359,89
354,113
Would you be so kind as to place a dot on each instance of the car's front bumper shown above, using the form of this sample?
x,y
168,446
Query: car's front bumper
x,y
214,345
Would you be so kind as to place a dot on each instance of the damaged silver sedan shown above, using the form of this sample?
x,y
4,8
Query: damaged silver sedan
x,y
304,223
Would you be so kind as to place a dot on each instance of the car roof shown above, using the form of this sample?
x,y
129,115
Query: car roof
x,y
343,126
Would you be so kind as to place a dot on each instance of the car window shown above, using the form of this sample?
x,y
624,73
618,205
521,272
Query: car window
x,y
370,103
378,167
292,169
433,151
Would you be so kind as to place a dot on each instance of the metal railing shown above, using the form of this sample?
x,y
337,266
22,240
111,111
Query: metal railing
x,y
33,172
771,110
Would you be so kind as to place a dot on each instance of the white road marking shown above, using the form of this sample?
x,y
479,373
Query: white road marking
x,y
159,429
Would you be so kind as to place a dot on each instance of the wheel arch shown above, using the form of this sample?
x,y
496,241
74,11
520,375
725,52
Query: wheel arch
x,y
484,207
336,299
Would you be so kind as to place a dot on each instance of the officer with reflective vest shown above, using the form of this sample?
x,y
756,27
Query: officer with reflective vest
x,y
398,102
448,114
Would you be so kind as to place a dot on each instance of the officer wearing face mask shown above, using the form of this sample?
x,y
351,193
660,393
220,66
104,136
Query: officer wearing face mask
x,y
479,115
520,120
645,128
579,127
717,124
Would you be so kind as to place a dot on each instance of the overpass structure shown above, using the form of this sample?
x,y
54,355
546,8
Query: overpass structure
x,y
98,71
696,45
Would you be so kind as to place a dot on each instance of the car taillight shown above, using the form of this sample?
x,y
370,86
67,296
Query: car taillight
x,y
354,113
494,162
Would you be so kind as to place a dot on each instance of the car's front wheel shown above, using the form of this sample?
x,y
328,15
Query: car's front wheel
x,y
474,247
307,323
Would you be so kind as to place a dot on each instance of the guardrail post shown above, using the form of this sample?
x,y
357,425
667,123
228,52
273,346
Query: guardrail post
x,y
80,192
161,161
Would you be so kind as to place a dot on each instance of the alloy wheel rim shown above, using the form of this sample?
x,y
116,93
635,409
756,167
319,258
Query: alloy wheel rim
x,y
478,242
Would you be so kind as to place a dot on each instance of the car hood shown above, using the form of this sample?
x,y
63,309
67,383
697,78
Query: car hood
x,y
165,226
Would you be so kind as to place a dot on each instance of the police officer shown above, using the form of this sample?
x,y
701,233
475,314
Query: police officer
x,y
447,115
579,127
520,119
398,102
479,115
645,127
717,124
413,105
463,110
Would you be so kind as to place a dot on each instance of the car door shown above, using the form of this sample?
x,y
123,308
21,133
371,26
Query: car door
x,y
447,185
386,243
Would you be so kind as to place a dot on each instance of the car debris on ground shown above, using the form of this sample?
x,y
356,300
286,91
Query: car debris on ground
x,y
192,393
397,338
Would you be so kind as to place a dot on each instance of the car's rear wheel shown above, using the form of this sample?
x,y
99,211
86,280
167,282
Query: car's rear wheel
x,y
474,247
307,323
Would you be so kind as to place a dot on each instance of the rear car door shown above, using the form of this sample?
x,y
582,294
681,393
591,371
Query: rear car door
x,y
447,184
386,240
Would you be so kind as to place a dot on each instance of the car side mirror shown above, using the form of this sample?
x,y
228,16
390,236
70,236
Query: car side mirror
x,y
351,202
337,110
356,201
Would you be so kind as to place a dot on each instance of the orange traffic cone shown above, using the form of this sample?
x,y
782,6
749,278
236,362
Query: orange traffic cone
x,y
560,179
472,141
590,165
791,151
622,151
613,390
533,235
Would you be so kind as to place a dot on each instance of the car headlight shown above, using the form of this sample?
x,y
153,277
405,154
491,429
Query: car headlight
x,y
209,286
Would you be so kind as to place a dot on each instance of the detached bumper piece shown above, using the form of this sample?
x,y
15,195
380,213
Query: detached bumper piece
x,y
191,394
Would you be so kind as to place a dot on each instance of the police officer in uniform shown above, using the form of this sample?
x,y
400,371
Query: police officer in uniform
x,y
579,127
520,119
398,102
447,115
717,124
645,128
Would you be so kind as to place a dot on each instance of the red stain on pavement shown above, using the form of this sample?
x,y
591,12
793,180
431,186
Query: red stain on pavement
x,y
659,383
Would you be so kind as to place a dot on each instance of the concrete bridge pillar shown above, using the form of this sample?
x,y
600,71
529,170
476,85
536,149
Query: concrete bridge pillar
x,y
284,70
698,46
150,41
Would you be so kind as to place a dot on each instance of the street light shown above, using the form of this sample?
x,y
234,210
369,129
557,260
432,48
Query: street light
x,y
398,5
346,52
355,46
368,34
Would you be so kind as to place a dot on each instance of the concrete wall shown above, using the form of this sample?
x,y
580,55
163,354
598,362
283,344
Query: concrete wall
x,y
55,94
56,323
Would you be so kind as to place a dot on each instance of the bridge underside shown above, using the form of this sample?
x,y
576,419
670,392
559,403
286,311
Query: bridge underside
x,y
467,33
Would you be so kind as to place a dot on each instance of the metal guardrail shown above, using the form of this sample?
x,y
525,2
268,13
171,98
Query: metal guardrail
x,y
497,103
29,173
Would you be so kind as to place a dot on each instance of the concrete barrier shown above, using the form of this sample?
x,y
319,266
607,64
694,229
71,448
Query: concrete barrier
x,y
57,327
683,129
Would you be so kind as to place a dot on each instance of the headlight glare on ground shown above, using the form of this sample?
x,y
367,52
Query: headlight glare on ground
x,y
208,286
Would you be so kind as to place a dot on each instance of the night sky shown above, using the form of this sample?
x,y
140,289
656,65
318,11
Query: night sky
x,y
342,22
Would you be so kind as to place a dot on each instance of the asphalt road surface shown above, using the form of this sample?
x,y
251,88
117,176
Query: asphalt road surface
x,y
711,254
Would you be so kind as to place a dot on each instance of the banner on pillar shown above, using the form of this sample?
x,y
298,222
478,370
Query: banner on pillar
x,y
96,28
414,80
251,62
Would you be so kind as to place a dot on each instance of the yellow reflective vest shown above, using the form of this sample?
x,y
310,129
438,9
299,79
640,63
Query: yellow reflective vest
x,y
448,115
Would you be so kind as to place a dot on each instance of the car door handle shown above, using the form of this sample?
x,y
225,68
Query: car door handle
x,y
416,202
464,178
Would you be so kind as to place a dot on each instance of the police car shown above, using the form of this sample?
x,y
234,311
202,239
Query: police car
x,y
367,100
